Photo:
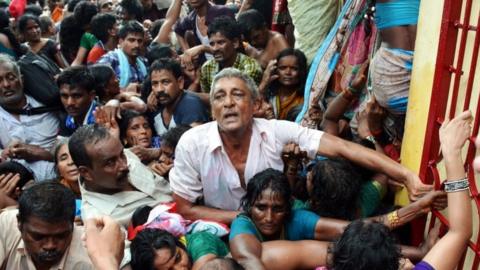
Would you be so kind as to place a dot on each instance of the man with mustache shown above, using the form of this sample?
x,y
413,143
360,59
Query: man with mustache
x,y
113,181
41,233
214,162
126,61
174,106
225,39
77,93
28,128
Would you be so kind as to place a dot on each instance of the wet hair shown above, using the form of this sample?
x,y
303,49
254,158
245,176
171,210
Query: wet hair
x,y
172,136
84,12
235,73
302,68
72,4
45,23
49,201
335,189
365,246
101,24
155,28
70,35
269,178
226,26
133,8
102,73
5,29
147,242
158,51
124,122
14,168
166,64
33,9
222,264
77,76
83,136
249,21
140,216
130,27
22,22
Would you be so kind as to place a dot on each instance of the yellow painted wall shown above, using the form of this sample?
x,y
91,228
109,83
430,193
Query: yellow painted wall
x,y
420,91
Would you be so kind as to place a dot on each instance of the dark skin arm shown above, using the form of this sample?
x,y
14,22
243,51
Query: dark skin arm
x,y
246,249
193,212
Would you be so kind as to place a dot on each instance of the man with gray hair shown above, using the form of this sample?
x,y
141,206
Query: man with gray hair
x,y
214,161
28,127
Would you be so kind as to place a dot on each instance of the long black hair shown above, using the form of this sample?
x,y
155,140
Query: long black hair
x,y
5,29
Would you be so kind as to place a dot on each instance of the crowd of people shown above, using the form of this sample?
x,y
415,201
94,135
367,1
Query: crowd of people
x,y
164,132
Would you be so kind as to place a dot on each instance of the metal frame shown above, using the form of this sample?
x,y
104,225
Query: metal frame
x,y
447,69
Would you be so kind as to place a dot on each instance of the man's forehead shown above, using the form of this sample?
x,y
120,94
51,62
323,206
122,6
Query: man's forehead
x,y
73,89
104,148
230,83
218,35
6,68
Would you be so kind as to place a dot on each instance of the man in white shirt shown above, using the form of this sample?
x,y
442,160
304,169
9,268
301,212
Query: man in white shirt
x,y
214,162
28,128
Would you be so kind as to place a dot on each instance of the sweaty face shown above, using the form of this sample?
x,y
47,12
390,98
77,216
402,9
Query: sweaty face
x,y
139,132
168,154
132,44
165,260
166,87
46,242
269,213
232,105
112,88
223,48
258,38
65,166
11,88
109,171
288,71
32,31
76,101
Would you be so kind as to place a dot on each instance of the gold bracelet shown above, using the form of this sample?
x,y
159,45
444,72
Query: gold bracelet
x,y
393,219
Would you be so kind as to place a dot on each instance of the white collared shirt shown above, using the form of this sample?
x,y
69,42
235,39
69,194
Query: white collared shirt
x,y
152,189
202,168
39,129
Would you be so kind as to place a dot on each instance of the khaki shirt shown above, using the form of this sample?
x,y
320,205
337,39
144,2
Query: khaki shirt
x,y
14,256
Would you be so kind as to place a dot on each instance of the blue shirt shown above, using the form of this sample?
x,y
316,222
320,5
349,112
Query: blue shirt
x,y
300,226
189,109
111,59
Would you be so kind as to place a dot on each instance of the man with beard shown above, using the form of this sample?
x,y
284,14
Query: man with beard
x,y
174,105
113,181
28,129
224,36
77,93
41,233
126,61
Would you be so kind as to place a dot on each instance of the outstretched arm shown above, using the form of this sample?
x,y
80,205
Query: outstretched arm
x,y
191,211
173,13
446,253
247,250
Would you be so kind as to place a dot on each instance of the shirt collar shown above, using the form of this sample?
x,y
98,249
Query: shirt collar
x,y
215,141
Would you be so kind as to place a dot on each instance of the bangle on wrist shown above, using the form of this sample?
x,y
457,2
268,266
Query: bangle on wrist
x,y
371,139
393,219
457,185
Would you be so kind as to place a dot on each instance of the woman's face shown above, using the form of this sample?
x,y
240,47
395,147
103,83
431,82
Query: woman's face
x,y
165,260
139,132
112,88
269,212
288,71
66,167
32,31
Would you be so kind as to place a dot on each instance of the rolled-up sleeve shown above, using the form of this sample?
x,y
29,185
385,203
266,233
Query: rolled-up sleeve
x,y
308,139
185,174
